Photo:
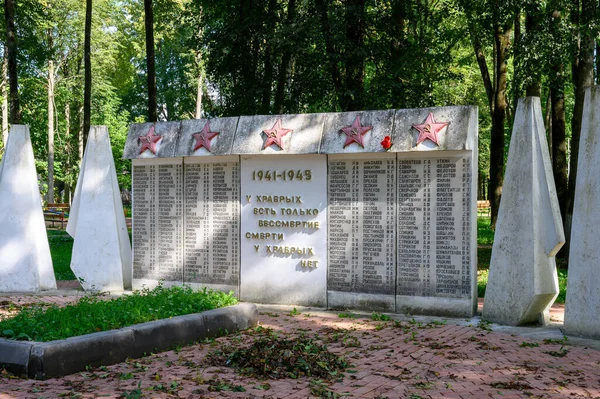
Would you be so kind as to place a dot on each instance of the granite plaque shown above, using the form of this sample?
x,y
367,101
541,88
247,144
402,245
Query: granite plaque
x,y
356,132
435,247
361,231
283,229
151,140
157,221
212,222
278,135
206,137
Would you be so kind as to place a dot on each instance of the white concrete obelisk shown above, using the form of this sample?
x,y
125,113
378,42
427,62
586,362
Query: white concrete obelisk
x,y
25,262
582,309
101,257
523,283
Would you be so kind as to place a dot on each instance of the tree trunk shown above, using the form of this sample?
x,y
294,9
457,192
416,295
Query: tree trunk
x,y
354,55
5,97
559,144
267,85
398,50
330,49
198,114
11,44
583,77
532,26
548,122
69,148
284,71
80,137
483,68
50,197
150,62
518,72
87,66
501,43
557,99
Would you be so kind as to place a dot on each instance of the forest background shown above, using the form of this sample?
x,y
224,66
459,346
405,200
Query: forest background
x,y
179,59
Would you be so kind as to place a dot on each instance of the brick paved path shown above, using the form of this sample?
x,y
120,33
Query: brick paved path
x,y
389,360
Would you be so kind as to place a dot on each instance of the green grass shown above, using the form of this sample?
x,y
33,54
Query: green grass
x,y
485,235
61,247
92,313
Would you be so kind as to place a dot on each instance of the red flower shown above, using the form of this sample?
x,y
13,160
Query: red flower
x,y
386,143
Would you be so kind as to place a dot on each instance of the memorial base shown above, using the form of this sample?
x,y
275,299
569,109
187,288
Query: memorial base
x,y
361,301
435,306
288,294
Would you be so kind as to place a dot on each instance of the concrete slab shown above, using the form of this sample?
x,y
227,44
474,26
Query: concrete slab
x,y
583,286
523,283
26,264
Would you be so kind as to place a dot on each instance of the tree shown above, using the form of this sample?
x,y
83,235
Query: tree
x,y
150,61
87,59
11,44
495,19
557,58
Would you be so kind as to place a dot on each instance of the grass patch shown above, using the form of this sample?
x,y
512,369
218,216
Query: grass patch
x,y
485,234
92,313
61,248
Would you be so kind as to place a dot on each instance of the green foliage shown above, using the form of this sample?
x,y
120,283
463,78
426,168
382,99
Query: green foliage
x,y
93,313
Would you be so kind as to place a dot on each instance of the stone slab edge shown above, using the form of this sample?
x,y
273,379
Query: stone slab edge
x,y
315,133
41,360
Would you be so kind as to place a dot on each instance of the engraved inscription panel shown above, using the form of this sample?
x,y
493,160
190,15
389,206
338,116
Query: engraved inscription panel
x,y
212,211
434,232
283,229
361,226
158,220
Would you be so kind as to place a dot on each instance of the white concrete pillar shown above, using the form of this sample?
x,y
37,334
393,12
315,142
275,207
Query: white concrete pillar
x,y
25,262
101,257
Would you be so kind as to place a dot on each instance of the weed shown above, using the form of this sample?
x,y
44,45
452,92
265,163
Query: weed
x,y
516,385
319,389
562,352
562,341
529,344
294,312
484,325
347,315
134,394
380,317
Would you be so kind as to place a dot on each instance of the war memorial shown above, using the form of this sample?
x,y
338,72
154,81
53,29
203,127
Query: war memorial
x,y
371,210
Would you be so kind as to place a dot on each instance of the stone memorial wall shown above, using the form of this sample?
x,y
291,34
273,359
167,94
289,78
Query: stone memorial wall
x,y
372,210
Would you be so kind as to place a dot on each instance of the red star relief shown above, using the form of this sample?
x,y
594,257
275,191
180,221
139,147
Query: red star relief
x,y
149,141
355,132
204,137
429,129
275,134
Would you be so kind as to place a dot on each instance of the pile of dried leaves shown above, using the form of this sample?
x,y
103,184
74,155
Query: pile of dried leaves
x,y
272,356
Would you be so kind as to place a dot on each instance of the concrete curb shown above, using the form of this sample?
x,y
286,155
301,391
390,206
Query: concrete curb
x,y
43,360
